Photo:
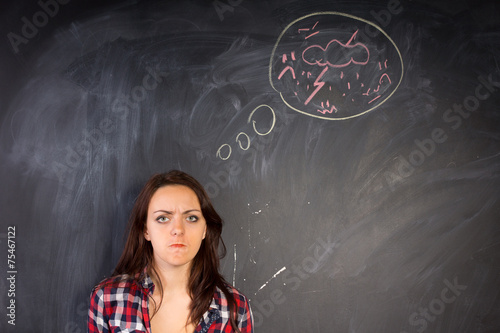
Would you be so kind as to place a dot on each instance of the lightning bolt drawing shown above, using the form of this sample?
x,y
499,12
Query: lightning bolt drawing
x,y
318,85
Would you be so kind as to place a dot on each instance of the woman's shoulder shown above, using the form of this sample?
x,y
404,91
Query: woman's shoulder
x,y
238,296
116,284
236,292
243,312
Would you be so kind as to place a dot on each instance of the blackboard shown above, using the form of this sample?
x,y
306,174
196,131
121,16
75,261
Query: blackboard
x,y
352,148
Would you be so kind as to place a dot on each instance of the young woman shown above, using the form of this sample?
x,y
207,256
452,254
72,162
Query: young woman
x,y
167,279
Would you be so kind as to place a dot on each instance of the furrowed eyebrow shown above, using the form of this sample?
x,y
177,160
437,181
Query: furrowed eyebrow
x,y
162,211
168,212
192,210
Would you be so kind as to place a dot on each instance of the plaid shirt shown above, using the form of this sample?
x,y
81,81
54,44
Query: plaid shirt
x,y
122,306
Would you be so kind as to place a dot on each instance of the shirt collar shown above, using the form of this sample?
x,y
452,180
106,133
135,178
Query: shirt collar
x,y
146,281
212,314
215,305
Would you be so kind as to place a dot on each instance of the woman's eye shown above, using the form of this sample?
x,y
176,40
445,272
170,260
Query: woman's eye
x,y
192,218
162,219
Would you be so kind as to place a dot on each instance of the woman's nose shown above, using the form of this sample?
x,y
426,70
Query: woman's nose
x,y
177,226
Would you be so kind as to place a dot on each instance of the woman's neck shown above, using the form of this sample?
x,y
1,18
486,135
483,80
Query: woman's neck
x,y
173,280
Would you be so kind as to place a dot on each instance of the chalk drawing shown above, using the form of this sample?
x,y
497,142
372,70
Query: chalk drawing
x,y
325,66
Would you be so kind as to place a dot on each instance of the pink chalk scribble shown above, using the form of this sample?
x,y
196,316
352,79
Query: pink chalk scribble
x,y
314,33
308,29
325,111
378,96
382,78
284,71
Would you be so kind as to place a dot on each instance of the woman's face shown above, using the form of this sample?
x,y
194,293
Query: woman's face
x,y
175,226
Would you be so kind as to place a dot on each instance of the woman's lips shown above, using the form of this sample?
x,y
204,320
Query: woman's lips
x,y
177,245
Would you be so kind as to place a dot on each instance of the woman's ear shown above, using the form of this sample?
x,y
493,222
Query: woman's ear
x,y
146,235
204,232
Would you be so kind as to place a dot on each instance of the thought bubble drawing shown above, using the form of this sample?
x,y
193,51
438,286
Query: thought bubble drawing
x,y
334,66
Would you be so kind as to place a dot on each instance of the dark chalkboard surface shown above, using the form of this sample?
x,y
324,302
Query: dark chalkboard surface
x,y
352,148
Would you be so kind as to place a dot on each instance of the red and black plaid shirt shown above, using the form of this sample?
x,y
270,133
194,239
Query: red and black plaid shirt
x,y
122,306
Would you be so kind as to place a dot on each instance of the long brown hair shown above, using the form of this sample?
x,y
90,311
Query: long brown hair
x,y
204,275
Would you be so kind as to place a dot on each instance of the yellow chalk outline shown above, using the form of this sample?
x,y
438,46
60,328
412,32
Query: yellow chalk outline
x,y
253,122
340,14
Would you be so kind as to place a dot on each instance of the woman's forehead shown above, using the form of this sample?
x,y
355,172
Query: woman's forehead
x,y
175,196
